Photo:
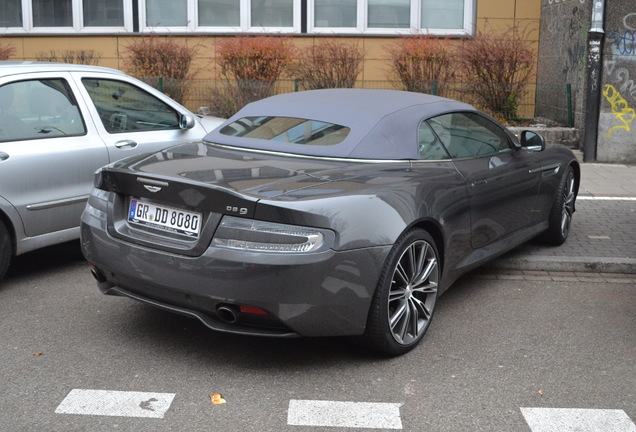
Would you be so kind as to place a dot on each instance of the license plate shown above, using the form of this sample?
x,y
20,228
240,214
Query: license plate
x,y
165,218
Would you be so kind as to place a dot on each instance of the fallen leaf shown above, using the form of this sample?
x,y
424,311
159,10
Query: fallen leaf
x,y
38,354
217,399
540,393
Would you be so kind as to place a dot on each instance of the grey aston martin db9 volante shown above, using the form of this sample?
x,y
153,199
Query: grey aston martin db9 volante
x,y
325,213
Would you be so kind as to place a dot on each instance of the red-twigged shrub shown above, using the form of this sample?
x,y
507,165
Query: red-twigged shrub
x,y
498,68
421,62
6,51
328,64
152,57
250,66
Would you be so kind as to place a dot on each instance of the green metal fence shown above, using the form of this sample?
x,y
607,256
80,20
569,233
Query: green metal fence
x,y
204,95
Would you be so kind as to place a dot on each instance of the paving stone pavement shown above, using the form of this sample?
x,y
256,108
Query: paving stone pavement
x,y
602,237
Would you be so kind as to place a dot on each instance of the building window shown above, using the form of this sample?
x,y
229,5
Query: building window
x,y
219,13
390,14
11,13
166,13
52,13
437,17
271,13
103,13
231,16
335,13
442,14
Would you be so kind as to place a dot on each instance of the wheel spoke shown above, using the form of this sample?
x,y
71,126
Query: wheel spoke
x,y
402,274
421,308
413,261
425,273
429,288
400,321
397,315
397,294
413,318
565,222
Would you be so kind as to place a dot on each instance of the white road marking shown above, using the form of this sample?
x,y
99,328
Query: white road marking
x,y
116,403
577,420
344,414
604,198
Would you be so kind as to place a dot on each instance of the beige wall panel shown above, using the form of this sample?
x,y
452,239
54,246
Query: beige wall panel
x,y
16,43
530,9
497,8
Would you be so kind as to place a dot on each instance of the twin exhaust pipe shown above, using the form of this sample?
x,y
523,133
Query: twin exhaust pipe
x,y
226,313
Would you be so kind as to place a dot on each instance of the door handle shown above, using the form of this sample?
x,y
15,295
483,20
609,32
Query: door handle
x,y
4,156
479,182
126,143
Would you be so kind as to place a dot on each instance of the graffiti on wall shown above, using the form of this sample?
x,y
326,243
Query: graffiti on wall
x,y
629,21
624,42
620,108
620,88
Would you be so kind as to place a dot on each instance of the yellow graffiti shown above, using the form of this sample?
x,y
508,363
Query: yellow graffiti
x,y
620,109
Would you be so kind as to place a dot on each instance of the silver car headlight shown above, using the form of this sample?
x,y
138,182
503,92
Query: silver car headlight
x,y
259,236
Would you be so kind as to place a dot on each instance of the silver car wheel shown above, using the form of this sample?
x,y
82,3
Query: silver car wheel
x,y
568,204
413,292
560,217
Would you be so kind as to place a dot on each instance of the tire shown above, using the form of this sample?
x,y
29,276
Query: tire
x,y
5,249
406,294
560,218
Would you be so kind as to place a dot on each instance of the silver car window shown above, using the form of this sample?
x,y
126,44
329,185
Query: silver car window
x,y
38,109
123,107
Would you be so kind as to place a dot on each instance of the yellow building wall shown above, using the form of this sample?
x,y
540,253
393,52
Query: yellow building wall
x,y
492,16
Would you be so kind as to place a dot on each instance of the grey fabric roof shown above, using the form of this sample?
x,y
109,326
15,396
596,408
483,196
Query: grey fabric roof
x,y
383,123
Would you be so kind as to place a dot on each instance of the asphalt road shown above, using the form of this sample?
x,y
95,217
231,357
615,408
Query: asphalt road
x,y
495,347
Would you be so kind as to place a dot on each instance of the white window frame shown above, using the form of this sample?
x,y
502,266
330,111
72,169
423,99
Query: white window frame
x,y
244,27
362,28
77,10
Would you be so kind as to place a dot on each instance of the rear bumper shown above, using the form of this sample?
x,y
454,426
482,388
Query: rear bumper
x,y
320,294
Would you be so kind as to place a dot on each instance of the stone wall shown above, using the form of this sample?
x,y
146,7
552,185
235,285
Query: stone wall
x,y
617,121
563,59
562,51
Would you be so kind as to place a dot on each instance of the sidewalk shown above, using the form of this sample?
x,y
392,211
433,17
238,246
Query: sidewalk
x,y
602,237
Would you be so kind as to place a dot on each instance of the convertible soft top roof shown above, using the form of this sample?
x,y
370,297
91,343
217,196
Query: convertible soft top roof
x,y
383,123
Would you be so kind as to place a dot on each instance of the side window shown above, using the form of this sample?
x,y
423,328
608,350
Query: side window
x,y
469,135
123,107
37,109
429,145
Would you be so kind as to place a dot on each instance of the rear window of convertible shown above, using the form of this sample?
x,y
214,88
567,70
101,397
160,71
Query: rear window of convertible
x,y
288,130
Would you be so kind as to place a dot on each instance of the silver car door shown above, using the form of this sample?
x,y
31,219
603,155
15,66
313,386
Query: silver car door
x,y
134,118
48,151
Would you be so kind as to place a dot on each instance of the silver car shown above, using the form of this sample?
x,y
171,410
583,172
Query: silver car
x,y
59,123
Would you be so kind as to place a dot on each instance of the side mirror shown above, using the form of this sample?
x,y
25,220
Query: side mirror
x,y
532,141
186,121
